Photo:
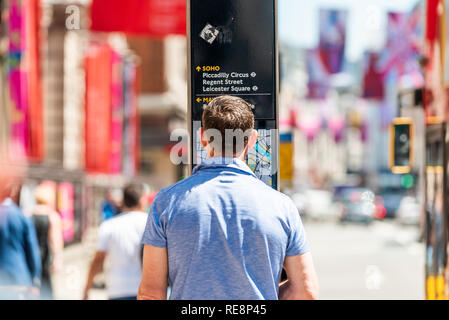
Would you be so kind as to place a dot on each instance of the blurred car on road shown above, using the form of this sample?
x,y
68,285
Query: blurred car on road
x,y
392,198
356,204
409,211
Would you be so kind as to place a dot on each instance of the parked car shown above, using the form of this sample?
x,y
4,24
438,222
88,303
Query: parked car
x,y
357,205
392,198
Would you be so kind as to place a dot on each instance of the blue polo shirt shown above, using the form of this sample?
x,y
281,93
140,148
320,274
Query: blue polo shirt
x,y
226,232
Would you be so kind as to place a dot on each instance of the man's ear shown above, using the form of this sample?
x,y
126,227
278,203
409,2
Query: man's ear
x,y
203,138
253,139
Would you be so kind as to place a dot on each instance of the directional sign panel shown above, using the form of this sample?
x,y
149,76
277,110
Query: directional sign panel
x,y
233,51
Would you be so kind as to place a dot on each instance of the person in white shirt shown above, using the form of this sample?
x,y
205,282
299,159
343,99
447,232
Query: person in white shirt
x,y
119,240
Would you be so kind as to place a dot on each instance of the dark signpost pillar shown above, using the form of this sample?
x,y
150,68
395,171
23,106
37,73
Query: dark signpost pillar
x,y
233,51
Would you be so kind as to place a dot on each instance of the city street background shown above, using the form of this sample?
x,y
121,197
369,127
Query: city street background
x,y
382,261
92,93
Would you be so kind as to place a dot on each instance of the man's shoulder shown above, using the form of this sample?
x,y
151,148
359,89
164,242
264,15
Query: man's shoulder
x,y
12,210
179,188
135,216
275,198
194,185
265,189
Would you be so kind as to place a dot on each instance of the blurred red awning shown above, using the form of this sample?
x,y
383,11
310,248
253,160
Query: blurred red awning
x,y
146,17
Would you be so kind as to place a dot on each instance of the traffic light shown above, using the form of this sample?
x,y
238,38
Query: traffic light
x,y
401,144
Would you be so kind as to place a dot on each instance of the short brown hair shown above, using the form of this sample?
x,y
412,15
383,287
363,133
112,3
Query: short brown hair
x,y
132,193
229,113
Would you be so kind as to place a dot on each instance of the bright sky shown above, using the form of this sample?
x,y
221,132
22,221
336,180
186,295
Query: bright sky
x,y
298,22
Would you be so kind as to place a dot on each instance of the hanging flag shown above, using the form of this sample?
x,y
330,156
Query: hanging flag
x,y
332,39
434,93
403,48
148,17
318,83
336,124
373,82
310,124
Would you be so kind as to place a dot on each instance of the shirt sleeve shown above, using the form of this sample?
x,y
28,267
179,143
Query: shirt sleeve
x,y
297,242
103,237
154,234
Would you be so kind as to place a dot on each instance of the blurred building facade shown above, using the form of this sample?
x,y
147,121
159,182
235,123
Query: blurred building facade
x,y
79,115
340,111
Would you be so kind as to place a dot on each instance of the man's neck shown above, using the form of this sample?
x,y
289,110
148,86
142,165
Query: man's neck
x,y
239,157
127,210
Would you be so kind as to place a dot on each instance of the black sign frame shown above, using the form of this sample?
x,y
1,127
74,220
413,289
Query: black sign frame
x,y
263,120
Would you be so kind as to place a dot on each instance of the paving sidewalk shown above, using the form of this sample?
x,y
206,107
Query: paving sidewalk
x,y
69,283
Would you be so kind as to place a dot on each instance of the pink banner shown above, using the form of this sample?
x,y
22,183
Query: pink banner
x,y
17,78
117,113
131,127
66,208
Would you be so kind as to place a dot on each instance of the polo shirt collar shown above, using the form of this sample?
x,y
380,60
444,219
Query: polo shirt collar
x,y
224,163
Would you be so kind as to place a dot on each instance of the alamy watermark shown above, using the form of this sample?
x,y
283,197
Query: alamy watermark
x,y
235,141
72,22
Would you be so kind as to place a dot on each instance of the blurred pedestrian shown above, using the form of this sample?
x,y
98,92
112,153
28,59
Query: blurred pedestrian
x,y
110,206
222,233
20,264
119,239
48,224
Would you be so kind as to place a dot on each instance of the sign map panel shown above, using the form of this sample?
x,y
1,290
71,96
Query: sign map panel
x,y
233,52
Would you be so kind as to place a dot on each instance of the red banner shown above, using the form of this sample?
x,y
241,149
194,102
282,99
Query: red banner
x,y
146,17
432,20
32,26
98,109
373,82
